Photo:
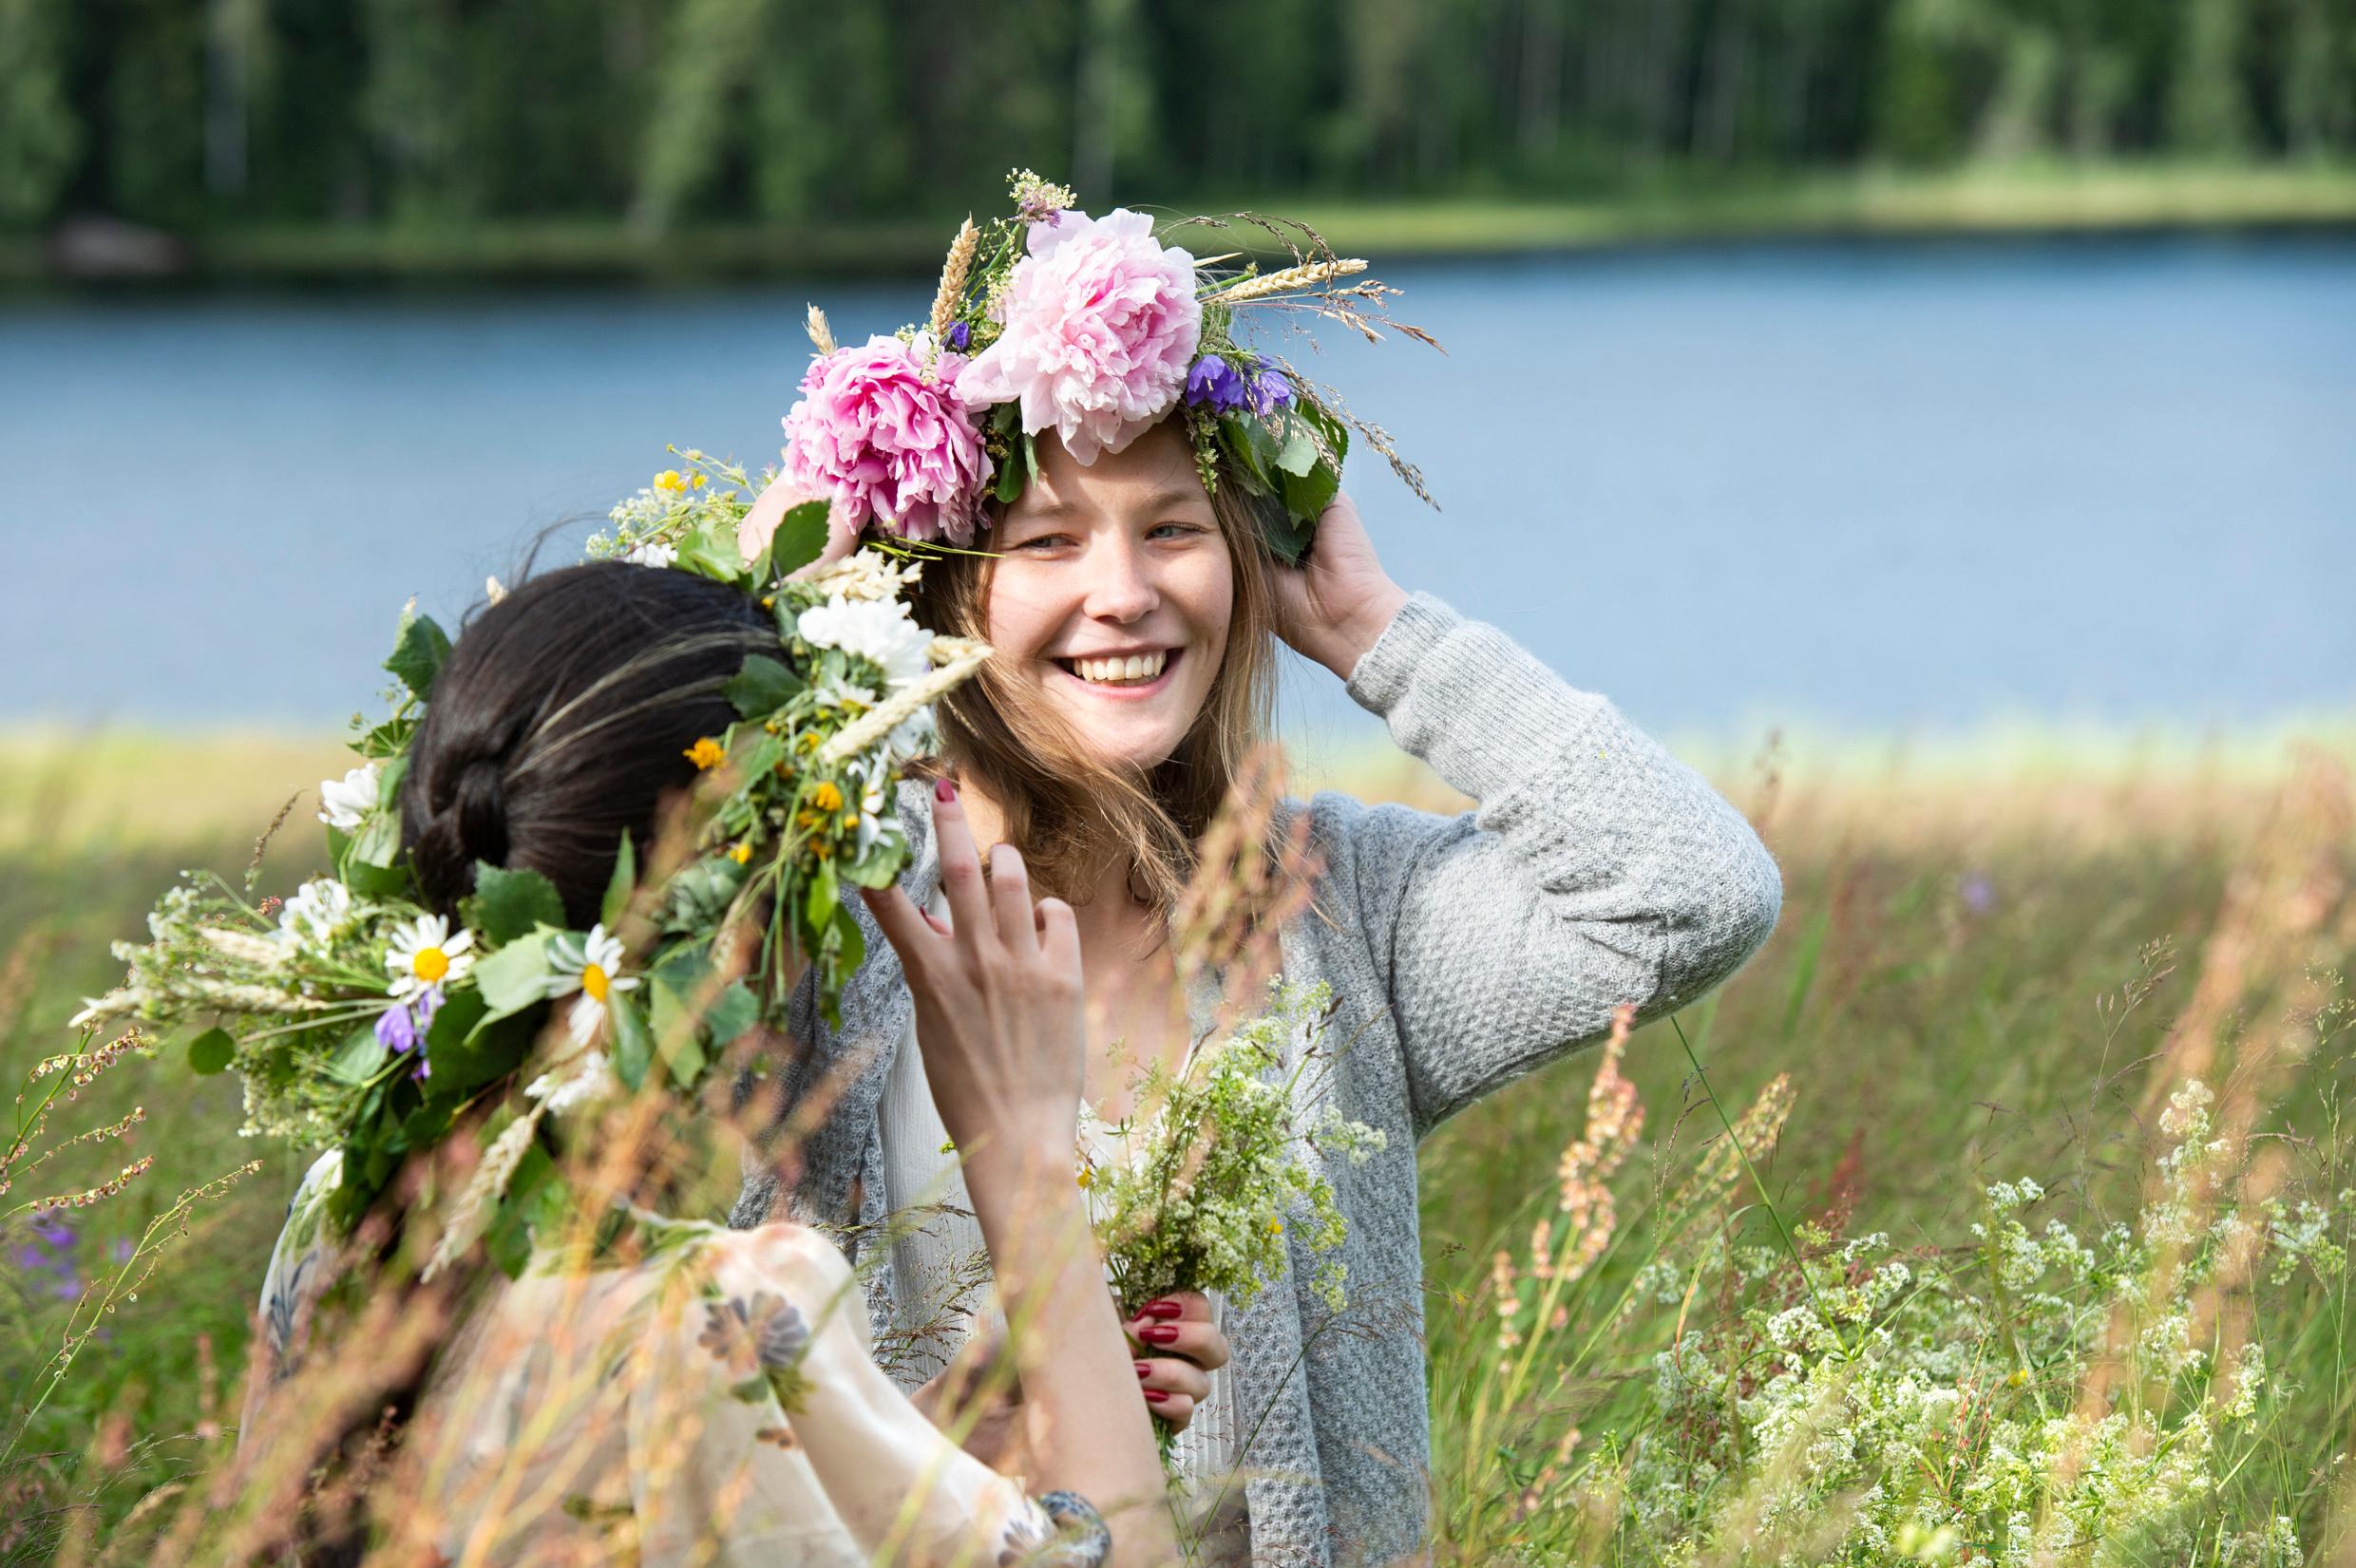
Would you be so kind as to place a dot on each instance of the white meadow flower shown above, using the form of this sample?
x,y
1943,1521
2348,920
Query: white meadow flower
x,y
878,630
653,552
424,954
348,798
591,1079
319,912
595,971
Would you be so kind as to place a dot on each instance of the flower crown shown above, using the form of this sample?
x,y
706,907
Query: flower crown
x,y
364,1021
1094,329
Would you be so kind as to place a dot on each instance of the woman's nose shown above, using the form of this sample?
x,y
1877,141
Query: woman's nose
x,y
1121,588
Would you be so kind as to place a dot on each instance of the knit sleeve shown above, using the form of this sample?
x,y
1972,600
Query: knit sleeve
x,y
1596,869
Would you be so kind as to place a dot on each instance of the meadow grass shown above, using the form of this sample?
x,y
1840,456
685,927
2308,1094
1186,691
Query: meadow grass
x,y
1990,966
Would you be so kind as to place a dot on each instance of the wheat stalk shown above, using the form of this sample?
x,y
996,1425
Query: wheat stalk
x,y
957,658
952,273
243,945
820,336
1305,275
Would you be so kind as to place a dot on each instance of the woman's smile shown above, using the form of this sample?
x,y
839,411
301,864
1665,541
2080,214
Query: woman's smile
x,y
1127,676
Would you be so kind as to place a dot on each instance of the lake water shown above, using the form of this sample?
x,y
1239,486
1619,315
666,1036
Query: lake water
x,y
1909,487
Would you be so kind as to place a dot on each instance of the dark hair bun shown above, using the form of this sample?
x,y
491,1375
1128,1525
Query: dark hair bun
x,y
562,719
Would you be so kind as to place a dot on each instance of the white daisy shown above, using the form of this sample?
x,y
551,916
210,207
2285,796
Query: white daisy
x,y
595,970
424,954
317,913
350,798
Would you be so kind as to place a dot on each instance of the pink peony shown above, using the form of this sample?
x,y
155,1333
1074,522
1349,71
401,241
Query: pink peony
x,y
1100,323
884,444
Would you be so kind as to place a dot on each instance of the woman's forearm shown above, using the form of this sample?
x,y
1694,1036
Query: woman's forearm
x,y
1085,1426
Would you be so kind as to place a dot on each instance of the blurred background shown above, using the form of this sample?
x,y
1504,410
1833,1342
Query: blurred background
x,y
1865,364
1934,416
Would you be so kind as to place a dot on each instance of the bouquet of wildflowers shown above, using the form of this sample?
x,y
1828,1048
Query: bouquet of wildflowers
x,y
363,1022
1219,1165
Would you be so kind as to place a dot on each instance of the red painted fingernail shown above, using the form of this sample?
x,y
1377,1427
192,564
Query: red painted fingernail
x,y
1161,1334
1163,1308
1155,1395
1145,1368
943,790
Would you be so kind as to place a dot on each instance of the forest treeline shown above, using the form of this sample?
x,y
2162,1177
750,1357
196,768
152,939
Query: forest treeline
x,y
188,113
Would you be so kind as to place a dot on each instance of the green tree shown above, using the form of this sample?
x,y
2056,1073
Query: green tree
x,y
2207,109
40,135
155,121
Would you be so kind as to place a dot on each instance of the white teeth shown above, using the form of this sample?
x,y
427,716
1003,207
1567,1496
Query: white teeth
x,y
1136,667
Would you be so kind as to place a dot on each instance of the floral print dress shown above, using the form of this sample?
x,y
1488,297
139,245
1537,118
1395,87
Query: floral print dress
x,y
713,1404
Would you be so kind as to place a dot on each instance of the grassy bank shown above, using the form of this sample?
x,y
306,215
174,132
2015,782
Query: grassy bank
x,y
1986,962
2012,200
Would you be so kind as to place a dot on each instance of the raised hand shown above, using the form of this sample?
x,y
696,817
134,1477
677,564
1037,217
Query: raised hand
x,y
997,998
1333,606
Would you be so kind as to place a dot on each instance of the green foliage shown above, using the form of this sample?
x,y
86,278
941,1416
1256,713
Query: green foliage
x,y
40,135
432,114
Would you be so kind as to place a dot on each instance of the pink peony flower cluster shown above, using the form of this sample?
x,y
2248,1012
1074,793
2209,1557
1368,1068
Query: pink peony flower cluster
x,y
885,444
1100,322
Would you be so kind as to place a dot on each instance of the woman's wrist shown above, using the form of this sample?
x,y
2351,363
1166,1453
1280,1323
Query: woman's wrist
x,y
1355,635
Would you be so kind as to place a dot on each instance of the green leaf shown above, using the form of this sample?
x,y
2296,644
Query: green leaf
x,y
733,1012
1298,453
509,1239
634,1047
708,550
516,977
801,538
359,1058
619,886
211,1052
762,687
511,904
375,881
1287,537
418,651
378,841
826,894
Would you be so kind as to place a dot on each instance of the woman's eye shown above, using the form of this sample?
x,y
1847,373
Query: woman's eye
x,y
1174,530
1038,542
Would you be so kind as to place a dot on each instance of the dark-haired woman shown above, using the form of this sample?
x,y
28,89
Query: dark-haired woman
x,y
718,1403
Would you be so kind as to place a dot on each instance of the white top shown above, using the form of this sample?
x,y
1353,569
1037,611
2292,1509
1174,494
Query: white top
x,y
939,1260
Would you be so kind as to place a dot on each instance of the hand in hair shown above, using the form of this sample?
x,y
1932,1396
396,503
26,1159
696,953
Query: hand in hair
x,y
1334,606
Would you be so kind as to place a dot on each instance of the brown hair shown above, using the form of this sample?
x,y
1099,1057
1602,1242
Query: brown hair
x,y
1070,813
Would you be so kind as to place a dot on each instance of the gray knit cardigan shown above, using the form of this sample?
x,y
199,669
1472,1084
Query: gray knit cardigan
x,y
1463,952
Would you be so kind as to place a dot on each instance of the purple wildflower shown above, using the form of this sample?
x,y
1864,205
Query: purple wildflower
x,y
1977,892
1214,382
1270,391
397,1029
54,1227
957,336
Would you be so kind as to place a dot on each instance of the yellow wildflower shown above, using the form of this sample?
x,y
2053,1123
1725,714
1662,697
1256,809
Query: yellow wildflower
x,y
742,854
697,483
668,481
1276,1227
825,797
706,753
1087,1177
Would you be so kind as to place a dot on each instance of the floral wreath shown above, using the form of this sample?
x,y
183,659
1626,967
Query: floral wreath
x,y
1093,329
365,1022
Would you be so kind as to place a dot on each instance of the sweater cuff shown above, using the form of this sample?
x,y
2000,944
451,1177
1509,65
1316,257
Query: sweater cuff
x,y
1382,675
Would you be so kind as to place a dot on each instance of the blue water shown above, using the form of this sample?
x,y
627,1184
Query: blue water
x,y
1910,487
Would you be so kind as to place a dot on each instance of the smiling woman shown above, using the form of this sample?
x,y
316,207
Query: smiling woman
x,y
1089,760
